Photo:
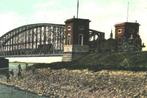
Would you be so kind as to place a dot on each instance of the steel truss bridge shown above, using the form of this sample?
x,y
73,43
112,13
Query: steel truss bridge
x,y
37,40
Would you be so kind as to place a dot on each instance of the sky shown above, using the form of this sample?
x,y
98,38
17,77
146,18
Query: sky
x,y
104,14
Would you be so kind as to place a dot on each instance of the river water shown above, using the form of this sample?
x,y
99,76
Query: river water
x,y
12,92
14,66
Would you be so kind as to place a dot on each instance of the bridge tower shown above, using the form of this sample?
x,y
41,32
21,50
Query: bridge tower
x,y
127,36
76,38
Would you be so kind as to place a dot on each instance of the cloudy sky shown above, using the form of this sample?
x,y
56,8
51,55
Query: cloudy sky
x,y
104,14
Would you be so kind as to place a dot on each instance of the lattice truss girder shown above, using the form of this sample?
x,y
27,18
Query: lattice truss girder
x,y
33,39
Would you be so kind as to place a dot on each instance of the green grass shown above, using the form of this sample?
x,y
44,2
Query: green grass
x,y
136,61
117,59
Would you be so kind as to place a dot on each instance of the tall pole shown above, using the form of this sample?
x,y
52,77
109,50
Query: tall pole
x,y
127,11
77,8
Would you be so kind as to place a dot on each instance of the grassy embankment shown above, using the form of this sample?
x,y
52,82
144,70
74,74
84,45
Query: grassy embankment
x,y
135,61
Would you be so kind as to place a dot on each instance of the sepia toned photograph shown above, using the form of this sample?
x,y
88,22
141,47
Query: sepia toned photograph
x,y
73,49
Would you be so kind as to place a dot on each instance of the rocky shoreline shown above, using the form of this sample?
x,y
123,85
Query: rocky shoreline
x,y
65,83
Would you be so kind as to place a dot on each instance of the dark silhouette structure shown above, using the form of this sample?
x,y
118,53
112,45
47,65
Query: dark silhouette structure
x,y
4,66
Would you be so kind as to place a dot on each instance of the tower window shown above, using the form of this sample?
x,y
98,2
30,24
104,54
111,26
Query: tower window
x,y
119,30
68,28
68,39
81,39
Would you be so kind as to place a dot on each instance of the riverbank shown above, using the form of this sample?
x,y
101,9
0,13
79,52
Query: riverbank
x,y
19,84
13,92
82,83
17,87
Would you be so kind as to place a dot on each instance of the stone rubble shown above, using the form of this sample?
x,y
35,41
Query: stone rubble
x,y
63,83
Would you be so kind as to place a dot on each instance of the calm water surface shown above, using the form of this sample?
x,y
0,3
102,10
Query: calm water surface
x,y
11,92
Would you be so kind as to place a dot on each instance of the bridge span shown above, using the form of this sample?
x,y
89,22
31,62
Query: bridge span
x,y
38,40
34,39
46,42
70,41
